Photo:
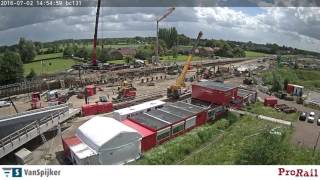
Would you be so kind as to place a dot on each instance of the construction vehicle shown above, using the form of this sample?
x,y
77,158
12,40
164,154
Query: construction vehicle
x,y
126,91
54,98
35,100
95,65
175,90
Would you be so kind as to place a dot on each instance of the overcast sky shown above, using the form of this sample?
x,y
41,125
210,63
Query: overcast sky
x,y
297,27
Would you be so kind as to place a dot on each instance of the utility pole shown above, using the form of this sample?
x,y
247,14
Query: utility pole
x,y
169,11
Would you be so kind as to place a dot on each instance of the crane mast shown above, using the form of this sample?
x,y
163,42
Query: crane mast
x,y
94,51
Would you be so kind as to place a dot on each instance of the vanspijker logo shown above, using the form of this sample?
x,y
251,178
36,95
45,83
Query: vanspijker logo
x,y
12,172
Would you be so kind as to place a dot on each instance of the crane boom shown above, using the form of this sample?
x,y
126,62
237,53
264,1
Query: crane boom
x,y
181,78
94,51
174,91
169,11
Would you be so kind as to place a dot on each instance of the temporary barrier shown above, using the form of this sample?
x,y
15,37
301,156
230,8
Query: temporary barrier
x,y
104,107
89,109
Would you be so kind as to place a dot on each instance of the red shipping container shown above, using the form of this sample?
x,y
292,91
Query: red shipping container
x,y
89,109
270,101
90,90
67,143
290,88
149,138
213,92
104,107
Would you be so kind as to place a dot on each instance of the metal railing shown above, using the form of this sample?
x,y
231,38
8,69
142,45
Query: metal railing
x,y
28,128
35,111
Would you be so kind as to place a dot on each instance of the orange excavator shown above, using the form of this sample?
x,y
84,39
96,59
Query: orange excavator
x,y
126,91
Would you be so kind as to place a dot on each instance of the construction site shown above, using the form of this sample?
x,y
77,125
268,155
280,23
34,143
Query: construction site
x,y
98,114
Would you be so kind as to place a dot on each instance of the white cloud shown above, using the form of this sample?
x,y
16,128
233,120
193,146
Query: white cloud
x,y
298,27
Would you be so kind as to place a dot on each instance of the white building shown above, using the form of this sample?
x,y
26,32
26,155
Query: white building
x,y
106,141
124,113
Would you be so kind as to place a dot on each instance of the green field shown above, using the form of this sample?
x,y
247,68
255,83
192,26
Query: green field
x,y
212,145
259,108
49,66
117,61
47,56
307,78
253,54
180,58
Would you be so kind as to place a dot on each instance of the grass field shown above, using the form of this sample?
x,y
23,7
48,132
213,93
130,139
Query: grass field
x,y
211,145
307,78
47,56
117,61
253,54
180,58
259,108
57,65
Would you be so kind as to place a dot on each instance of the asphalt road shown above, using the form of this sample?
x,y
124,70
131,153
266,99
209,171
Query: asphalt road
x,y
305,133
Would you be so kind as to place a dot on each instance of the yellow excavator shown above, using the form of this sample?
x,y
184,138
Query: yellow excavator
x,y
174,91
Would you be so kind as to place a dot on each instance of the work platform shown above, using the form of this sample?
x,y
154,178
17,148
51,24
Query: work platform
x,y
30,131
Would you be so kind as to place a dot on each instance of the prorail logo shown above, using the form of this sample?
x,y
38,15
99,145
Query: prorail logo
x,y
19,172
298,172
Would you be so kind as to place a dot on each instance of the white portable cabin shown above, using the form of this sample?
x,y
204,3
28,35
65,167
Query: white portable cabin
x,y
124,113
106,141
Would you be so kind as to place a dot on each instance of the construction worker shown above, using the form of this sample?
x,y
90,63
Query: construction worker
x,y
86,96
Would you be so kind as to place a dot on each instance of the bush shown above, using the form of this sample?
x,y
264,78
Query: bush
x,y
32,74
176,149
222,124
115,55
266,149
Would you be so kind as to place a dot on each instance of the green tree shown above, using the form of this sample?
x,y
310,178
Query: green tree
x,y
27,50
183,40
104,56
11,68
32,74
115,55
68,51
169,35
276,85
128,60
266,149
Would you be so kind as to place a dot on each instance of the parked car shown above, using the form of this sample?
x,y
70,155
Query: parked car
x,y
4,104
303,116
311,117
318,122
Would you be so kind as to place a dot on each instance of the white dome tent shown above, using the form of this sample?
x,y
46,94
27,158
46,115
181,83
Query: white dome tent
x,y
111,141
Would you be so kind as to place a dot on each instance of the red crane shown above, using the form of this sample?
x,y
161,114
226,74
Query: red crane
x,y
94,52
